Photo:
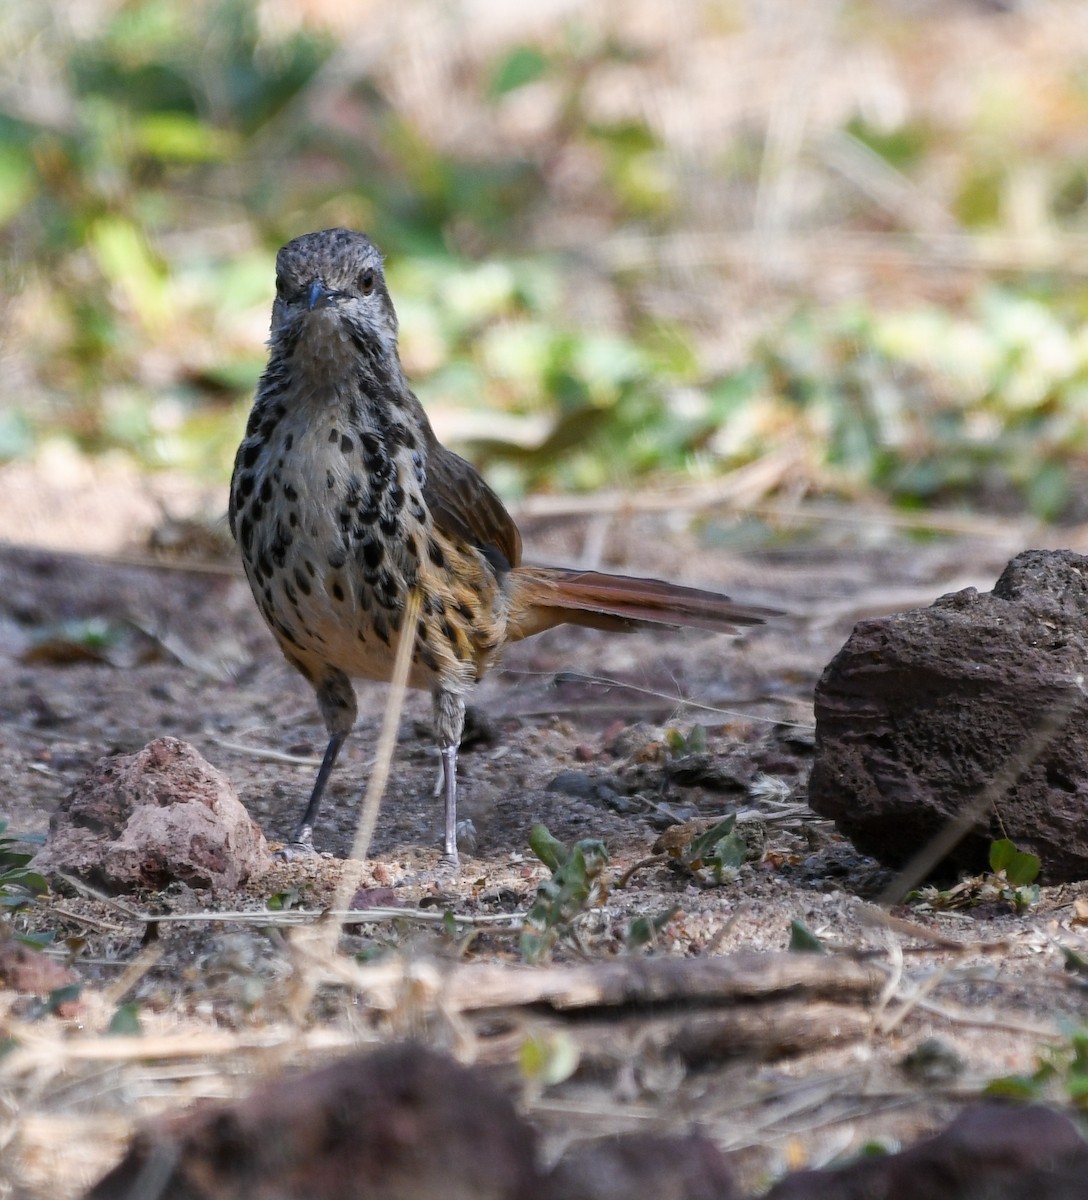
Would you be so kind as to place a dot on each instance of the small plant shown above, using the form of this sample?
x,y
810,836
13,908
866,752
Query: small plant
x,y
18,884
576,885
1010,880
643,931
720,850
693,743
1062,1071
803,940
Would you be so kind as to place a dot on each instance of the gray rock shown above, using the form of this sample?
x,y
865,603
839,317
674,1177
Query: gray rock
x,y
978,699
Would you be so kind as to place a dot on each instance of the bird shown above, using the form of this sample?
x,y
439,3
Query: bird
x,y
343,503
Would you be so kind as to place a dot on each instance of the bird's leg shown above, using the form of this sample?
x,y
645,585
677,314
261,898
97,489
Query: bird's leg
x,y
336,699
303,837
449,724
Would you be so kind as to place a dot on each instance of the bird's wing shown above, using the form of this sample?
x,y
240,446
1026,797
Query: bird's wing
x,y
463,506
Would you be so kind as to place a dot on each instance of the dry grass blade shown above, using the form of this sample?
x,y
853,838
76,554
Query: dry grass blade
x,y
317,945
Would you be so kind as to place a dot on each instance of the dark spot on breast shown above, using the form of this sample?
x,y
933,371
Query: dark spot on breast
x,y
266,490
334,435
310,569
289,493
372,551
467,612
371,443
344,517
363,595
434,551
288,442
302,582
336,559
395,496
337,592
290,593
245,484
449,633
408,439
380,628
346,444
292,519
245,534
330,482
268,428
263,564
418,512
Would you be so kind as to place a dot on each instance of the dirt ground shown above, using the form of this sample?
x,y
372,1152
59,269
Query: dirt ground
x,y
184,653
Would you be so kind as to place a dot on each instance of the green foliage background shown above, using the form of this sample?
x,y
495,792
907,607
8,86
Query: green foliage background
x,y
626,242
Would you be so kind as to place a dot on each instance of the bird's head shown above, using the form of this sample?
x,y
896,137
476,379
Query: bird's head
x,y
332,301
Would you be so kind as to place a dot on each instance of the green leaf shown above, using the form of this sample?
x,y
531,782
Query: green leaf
x,y
1001,854
703,846
1073,961
803,940
549,1059
1013,1087
125,1022
524,64
642,931
180,137
37,941
282,901
550,850
1020,867
57,997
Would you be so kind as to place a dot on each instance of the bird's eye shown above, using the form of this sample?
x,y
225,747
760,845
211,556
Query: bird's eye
x,y
366,281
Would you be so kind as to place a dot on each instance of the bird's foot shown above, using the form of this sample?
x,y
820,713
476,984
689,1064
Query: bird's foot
x,y
300,846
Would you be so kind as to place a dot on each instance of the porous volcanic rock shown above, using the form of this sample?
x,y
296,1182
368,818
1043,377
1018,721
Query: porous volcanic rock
x,y
398,1124
144,820
990,1152
979,699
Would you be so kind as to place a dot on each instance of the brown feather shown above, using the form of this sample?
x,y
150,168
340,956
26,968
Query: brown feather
x,y
464,507
541,597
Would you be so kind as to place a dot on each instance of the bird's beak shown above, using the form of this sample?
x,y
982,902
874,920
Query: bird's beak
x,y
319,296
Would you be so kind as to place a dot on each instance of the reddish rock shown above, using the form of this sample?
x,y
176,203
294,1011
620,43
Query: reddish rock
x,y
990,1152
28,971
920,713
147,819
399,1124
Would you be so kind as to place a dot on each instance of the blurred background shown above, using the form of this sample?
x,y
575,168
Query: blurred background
x,y
833,251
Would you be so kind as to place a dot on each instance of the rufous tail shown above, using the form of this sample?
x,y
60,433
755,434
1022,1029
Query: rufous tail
x,y
542,597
